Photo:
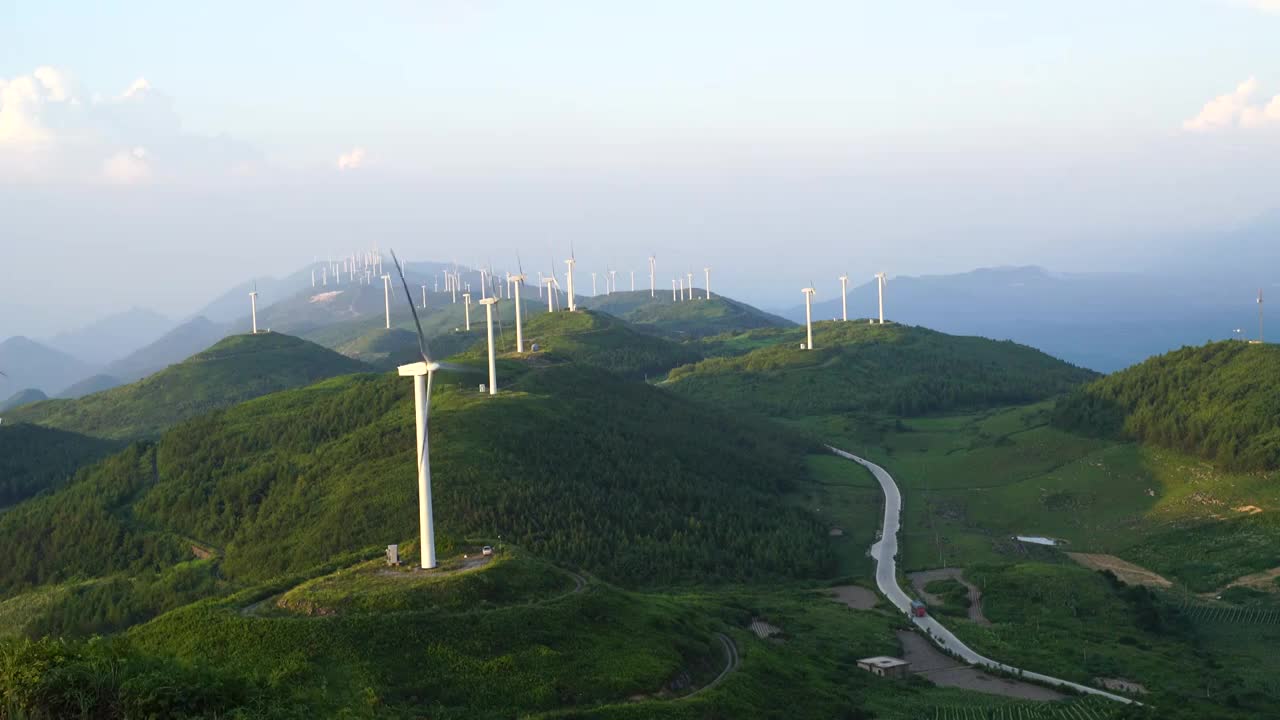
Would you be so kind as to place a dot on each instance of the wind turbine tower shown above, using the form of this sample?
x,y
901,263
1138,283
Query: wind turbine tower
x,y
1260,338
550,293
808,317
516,282
386,297
881,278
573,306
689,287
424,297
673,289
593,284
613,279
493,363
253,308
844,298
466,299
422,373
652,286
633,281
707,271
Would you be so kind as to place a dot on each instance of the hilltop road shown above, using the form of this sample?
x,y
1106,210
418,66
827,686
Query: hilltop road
x,y
885,552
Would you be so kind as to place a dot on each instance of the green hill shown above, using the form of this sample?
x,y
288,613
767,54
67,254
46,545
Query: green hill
x,y
22,397
235,369
1219,402
596,340
691,319
858,367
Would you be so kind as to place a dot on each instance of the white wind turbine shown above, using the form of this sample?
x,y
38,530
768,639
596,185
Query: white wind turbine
x,y
573,306
422,373
550,281
808,316
515,281
466,300
593,284
253,307
633,281
844,297
689,287
613,279
386,297
424,297
707,271
488,321
652,286
881,279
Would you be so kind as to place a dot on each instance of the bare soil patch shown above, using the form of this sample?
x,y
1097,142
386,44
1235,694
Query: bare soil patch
x,y
920,579
855,597
1122,685
943,670
1265,581
1123,569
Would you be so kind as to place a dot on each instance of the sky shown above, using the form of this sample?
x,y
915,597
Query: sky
x,y
156,153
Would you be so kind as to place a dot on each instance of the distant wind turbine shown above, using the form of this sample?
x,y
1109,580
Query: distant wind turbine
x,y
652,287
386,297
881,279
253,307
515,281
573,306
844,297
808,317
466,300
707,271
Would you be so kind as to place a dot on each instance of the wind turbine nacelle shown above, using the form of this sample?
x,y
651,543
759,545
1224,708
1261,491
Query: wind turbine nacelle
x,y
418,368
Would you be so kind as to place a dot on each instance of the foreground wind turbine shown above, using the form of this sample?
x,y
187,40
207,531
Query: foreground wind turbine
x,y
488,321
422,373
808,317
881,279
386,297
253,307
844,298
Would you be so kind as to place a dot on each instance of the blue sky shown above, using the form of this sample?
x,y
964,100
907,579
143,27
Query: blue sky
x,y
917,136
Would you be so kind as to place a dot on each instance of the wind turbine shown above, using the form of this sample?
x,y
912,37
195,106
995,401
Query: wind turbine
x,y
707,271
1260,315
253,307
808,317
573,306
422,373
681,280
613,278
516,281
689,287
386,297
652,286
488,321
633,281
844,297
881,279
673,289
466,299
550,293
424,297
593,284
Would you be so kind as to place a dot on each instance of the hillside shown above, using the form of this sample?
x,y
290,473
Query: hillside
x,y
34,458
22,397
857,367
29,364
690,319
236,369
1218,402
174,346
657,490
89,386
598,340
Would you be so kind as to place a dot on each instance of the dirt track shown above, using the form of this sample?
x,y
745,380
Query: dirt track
x,y
1127,572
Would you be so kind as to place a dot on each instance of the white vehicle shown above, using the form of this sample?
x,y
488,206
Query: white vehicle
x,y
487,550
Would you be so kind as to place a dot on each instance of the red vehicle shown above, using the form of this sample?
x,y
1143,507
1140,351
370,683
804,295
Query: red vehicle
x,y
919,609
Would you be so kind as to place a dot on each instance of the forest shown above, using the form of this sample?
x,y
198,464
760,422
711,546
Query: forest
x,y
1215,401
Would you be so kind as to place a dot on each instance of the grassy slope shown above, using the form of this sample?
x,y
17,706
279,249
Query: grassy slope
x,y
684,320
237,368
858,367
594,340
1218,401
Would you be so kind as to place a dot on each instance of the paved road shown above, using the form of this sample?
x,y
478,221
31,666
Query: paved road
x,y
885,552
731,661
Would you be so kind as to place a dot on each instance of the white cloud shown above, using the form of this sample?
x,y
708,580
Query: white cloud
x,y
1271,6
1237,109
351,159
51,129
128,167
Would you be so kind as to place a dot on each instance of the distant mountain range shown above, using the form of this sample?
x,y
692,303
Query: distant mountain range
x,y
29,364
112,337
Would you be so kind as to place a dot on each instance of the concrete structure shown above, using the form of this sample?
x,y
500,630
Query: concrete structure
x,y
885,667
808,316
393,555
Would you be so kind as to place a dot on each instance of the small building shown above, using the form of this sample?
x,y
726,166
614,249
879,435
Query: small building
x,y
393,555
886,667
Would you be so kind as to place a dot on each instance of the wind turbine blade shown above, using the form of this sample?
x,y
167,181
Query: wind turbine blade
x,y
422,341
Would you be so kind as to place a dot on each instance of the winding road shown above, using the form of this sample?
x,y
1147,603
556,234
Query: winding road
x,y
885,552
